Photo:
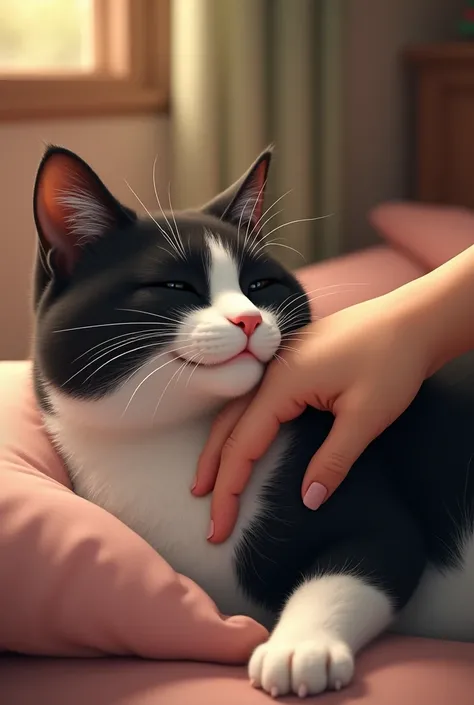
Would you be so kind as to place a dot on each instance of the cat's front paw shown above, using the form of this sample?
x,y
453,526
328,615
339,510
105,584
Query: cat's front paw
x,y
305,667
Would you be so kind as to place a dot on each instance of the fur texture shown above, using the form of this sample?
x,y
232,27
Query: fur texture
x,y
145,328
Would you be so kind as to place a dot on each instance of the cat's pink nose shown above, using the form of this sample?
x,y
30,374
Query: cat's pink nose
x,y
249,322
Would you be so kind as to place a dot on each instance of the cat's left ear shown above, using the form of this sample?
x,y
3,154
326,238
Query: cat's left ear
x,y
71,208
242,203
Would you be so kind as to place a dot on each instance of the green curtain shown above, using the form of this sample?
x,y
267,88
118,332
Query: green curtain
x,y
246,73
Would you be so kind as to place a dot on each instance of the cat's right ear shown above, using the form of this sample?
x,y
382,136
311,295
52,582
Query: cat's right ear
x,y
71,208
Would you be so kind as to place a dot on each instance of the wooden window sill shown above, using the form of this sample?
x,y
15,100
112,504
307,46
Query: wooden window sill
x,y
32,99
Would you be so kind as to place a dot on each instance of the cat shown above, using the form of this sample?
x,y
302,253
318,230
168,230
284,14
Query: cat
x,y
145,328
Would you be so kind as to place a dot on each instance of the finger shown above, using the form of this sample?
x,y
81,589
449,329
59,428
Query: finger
x,y
350,435
222,427
252,436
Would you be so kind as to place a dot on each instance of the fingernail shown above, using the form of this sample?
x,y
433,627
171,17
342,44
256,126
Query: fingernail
x,y
315,496
210,533
193,486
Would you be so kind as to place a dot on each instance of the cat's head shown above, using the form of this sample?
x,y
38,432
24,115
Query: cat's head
x,y
145,321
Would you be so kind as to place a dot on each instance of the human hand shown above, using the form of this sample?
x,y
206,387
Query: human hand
x,y
365,364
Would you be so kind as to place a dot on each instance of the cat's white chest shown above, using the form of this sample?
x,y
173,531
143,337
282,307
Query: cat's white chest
x,y
146,483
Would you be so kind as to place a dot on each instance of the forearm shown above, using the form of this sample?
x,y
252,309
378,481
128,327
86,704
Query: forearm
x,y
440,309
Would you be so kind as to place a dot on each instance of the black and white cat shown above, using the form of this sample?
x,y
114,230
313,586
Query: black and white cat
x,y
144,329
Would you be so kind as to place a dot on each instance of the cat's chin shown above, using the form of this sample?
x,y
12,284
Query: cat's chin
x,y
230,380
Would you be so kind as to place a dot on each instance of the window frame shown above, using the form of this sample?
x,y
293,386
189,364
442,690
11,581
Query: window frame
x,y
134,79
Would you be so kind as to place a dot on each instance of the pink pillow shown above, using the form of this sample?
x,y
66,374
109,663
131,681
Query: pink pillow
x,y
75,581
431,234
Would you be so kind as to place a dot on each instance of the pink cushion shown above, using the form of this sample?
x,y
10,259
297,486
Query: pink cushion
x,y
430,234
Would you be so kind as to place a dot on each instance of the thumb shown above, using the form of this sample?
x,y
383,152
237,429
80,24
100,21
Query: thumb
x,y
351,433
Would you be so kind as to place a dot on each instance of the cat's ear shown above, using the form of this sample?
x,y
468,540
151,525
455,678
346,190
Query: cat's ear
x,y
71,208
242,203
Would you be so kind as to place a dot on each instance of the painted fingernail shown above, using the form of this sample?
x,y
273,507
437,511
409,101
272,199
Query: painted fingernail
x,y
303,690
210,533
315,496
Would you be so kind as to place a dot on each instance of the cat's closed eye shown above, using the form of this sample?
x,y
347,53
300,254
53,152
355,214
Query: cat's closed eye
x,y
181,286
261,284
175,285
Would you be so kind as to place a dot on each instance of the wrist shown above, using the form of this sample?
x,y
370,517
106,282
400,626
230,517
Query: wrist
x,y
415,314
437,311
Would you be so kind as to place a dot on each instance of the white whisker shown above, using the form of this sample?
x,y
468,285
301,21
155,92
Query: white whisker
x,y
294,335
279,244
178,236
294,326
267,211
156,337
107,341
173,359
162,230
155,315
288,347
284,320
196,365
257,240
299,220
281,359
292,299
244,210
127,352
175,237
178,372
109,325
257,201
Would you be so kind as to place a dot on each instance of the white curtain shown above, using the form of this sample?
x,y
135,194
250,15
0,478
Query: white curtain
x,y
249,72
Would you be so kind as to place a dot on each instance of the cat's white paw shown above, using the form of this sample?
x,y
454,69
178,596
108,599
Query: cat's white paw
x,y
305,667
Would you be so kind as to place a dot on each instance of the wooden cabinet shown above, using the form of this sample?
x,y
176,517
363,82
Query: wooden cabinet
x,y
444,142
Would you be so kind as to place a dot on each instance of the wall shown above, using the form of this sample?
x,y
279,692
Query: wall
x,y
119,149
376,145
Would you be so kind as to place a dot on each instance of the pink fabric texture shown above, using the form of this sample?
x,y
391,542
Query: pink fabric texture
x,y
75,580
430,234
392,671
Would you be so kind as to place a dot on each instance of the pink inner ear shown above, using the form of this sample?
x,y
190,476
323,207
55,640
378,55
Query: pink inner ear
x,y
248,207
59,176
62,176
53,216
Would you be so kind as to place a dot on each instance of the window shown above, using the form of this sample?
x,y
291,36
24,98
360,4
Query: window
x,y
81,57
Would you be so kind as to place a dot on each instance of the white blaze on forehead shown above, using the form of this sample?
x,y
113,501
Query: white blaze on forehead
x,y
226,295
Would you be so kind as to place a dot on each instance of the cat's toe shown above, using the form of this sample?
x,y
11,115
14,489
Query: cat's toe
x,y
320,664
305,668
269,668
